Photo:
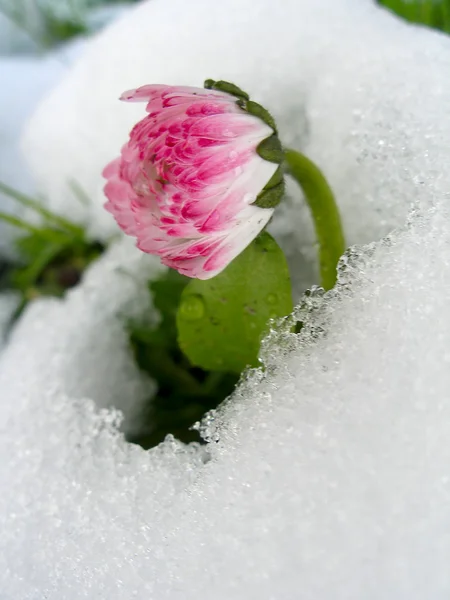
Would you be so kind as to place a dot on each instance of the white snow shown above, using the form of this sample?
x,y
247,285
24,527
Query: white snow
x,y
330,475
327,478
88,325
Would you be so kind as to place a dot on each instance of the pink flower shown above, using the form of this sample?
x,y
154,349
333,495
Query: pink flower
x,y
188,177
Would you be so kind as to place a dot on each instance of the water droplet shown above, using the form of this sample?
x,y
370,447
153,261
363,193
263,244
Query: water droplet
x,y
271,298
192,307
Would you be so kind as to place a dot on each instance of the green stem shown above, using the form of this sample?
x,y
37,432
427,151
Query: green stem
x,y
325,214
163,368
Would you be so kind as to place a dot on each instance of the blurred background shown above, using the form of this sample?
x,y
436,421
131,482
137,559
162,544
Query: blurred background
x,y
38,25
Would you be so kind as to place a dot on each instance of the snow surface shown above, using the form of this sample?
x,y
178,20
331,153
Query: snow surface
x,y
326,478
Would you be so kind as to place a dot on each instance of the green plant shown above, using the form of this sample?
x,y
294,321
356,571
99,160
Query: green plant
x,y
184,392
50,22
51,256
433,13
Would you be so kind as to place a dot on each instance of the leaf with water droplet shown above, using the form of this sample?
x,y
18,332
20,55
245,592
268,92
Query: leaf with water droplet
x,y
221,320
192,307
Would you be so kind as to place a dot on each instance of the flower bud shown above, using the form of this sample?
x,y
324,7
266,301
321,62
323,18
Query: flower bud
x,y
199,176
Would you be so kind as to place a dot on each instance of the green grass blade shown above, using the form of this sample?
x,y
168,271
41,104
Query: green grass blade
x,y
50,236
15,222
29,276
79,193
35,205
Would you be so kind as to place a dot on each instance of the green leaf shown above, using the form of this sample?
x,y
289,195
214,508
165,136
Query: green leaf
x,y
255,109
270,197
433,13
221,321
155,345
227,87
270,149
184,393
273,191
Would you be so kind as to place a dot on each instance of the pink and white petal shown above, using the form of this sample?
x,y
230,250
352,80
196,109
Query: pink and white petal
x,y
251,222
194,92
184,249
221,166
120,211
242,193
151,240
254,177
229,126
112,168
183,98
191,267
209,107
144,93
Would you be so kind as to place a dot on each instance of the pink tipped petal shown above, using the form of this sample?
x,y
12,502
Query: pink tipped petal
x,y
185,182
227,127
252,221
112,168
142,94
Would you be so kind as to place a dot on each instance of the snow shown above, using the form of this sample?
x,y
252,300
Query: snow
x,y
330,474
97,323
327,476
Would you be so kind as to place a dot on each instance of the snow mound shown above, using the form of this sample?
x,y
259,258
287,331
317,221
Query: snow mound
x,y
327,476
